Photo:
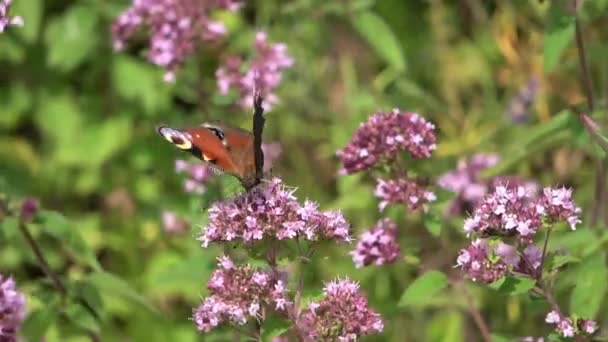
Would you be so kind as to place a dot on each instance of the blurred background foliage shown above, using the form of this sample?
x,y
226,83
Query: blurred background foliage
x,y
77,131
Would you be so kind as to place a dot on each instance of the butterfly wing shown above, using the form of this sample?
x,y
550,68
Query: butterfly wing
x,y
204,144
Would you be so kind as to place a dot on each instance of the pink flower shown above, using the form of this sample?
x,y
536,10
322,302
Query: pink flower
x,y
5,20
378,245
383,136
406,191
263,74
173,224
238,293
12,309
271,210
478,262
176,29
198,174
343,315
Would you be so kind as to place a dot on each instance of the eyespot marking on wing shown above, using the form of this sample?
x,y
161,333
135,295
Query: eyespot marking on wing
x,y
178,138
218,132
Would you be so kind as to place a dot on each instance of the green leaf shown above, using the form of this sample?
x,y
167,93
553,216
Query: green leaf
x,y
423,289
174,274
557,261
590,288
31,11
432,223
96,144
273,327
501,338
559,32
445,326
379,35
82,318
511,286
38,322
9,228
535,140
138,81
59,227
71,37
112,285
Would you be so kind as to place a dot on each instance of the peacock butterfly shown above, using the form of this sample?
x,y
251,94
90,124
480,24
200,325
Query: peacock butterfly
x,y
226,149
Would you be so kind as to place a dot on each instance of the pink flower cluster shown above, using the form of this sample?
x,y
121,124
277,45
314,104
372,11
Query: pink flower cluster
x,y
263,74
12,309
510,211
487,261
566,327
343,315
519,108
470,188
239,293
271,210
5,20
384,136
406,191
176,28
378,245
173,224
198,175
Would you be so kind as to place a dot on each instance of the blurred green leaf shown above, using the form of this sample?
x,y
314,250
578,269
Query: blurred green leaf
x,y
38,322
423,289
138,81
31,11
557,261
15,100
9,228
534,140
446,326
559,32
590,288
433,223
96,144
82,318
60,228
381,38
274,326
71,37
172,274
512,286
112,285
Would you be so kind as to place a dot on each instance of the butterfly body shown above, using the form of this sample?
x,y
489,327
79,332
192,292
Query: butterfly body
x,y
224,147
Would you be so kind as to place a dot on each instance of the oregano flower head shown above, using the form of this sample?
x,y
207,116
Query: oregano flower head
x,y
384,136
271,211
239,293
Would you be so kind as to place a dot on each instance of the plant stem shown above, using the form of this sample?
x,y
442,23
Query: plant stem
x,y
477,317
539,275
41,259
582,58
57,283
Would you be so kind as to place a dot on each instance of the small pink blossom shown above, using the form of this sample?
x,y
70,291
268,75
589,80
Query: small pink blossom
x,y
12,309
378,245
406,191
343,315
383,136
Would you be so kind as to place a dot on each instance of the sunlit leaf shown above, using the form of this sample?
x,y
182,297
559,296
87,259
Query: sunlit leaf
x,y
433,223
112,285
70,38
511,285
559,32
379,35
590,287
273,327
423,288
58,226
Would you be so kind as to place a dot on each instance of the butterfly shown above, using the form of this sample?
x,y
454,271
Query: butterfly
x,y
225,148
